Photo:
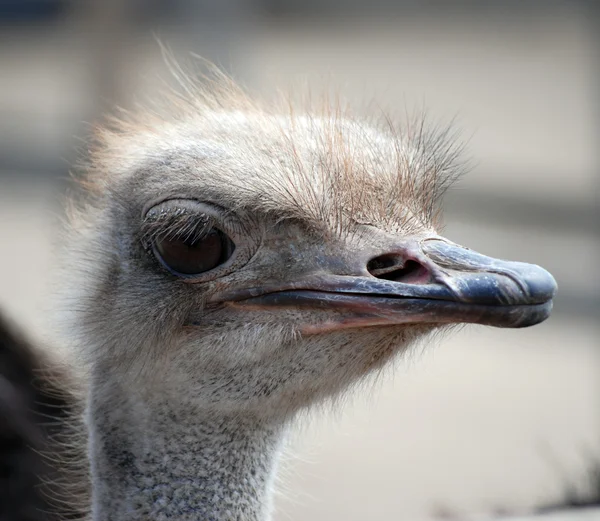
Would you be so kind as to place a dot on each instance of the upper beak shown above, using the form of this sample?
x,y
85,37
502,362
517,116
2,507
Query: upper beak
x,y
427,281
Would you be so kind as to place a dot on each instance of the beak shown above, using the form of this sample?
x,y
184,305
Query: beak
x,y
429,281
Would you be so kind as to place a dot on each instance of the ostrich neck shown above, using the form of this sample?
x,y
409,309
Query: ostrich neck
x,y
154,459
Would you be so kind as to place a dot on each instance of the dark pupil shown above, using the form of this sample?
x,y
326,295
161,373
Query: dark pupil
x,y
194,256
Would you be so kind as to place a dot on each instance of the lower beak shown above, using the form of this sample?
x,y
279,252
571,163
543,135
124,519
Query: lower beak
x,y
447,283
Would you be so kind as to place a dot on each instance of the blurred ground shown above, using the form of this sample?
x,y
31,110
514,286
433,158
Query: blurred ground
x,y
488,420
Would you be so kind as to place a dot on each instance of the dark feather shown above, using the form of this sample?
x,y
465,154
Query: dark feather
x,y
33,418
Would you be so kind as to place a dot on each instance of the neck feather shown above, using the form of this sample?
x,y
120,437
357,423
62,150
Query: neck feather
x,y
154,458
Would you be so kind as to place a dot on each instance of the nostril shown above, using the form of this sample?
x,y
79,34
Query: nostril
x,y
392,267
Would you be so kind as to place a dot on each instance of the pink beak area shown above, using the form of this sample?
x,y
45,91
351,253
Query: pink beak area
x,y
450,285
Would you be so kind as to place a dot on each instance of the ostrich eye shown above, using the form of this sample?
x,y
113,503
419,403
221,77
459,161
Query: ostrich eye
x,y
195,255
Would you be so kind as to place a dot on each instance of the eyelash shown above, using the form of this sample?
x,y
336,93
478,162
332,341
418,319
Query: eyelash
x,y
175,223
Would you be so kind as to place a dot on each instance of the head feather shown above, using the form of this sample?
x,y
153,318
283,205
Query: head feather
x,y
318,164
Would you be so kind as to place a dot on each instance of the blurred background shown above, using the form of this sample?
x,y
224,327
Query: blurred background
x,y
488,420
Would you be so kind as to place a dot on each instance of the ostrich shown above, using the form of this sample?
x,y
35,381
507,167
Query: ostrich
x,y
231,265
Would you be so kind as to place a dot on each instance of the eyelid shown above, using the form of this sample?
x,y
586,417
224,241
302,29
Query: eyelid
x,y
177,218
180,207
182,200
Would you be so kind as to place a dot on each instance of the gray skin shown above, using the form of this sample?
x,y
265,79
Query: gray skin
x,y
194,380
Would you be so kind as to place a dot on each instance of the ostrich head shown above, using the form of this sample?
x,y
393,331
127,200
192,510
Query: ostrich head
x,y
242,262
258,260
